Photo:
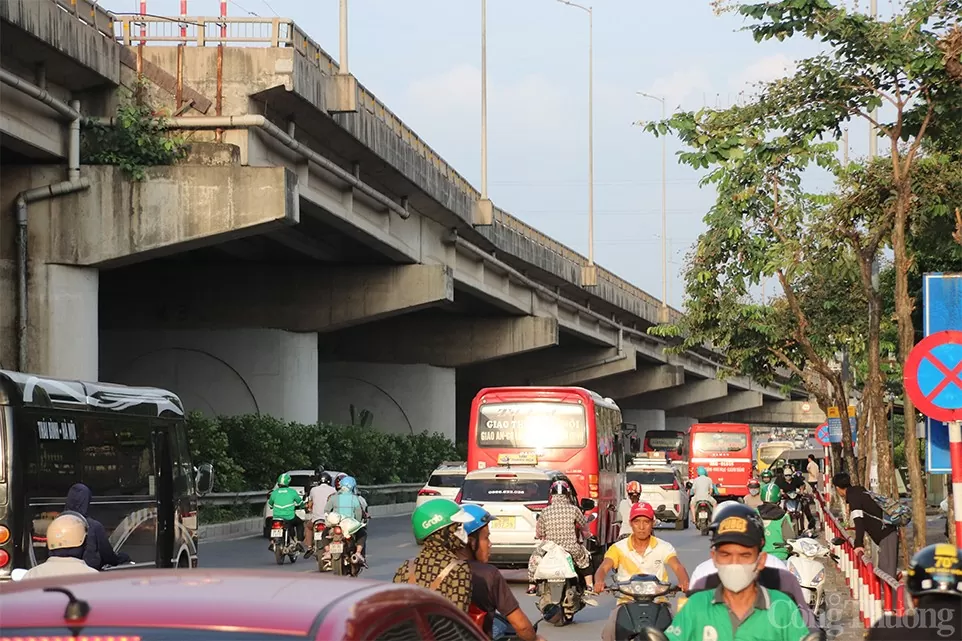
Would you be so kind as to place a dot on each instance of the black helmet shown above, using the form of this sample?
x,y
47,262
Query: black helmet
x,y
325,479
936,569
735,522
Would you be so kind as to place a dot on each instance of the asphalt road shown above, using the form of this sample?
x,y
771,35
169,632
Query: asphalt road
x,y
390,542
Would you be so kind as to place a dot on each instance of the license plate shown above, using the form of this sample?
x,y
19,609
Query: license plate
x,y
723,490
503,523
703,515
318,536
337,548
276,534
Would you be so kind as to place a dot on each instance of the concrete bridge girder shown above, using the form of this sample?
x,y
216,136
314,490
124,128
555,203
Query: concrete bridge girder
x,y
679,398
787,413
642,381
452,341
733,402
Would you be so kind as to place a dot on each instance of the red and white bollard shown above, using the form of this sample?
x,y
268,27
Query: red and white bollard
x,y
183,18
955,455
223,24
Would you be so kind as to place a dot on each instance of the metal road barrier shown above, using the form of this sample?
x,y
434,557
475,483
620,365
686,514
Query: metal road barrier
x,y
256,497
877,592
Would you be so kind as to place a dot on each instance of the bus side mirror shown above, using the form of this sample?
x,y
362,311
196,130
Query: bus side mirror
x,y
205,478
587,505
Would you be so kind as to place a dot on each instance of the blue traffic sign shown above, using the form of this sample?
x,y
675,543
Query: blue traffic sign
x,y
822,434
941,310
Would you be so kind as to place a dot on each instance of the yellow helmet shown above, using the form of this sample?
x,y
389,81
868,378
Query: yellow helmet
x,y
66,531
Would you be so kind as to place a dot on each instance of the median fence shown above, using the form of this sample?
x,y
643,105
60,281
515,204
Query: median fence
x,y
877,593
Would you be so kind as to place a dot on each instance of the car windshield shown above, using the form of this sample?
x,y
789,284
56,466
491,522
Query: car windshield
x,y
302,481
520,490
446,480
144,634
652,478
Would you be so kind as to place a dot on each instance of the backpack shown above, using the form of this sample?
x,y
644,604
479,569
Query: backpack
x,y
893,512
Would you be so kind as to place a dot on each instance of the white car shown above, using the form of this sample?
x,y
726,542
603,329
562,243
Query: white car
x,y
445,482
662,486
514,495
302,481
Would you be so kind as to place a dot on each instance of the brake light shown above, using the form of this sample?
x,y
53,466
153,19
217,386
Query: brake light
x,y
505,476
4,534
276,525
593,478
457,499
536,507
427,492
319,526
674,486
4,558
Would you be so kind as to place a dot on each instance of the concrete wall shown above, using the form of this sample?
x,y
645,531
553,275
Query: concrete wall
x,y
679,423
264,371
644,420
404,399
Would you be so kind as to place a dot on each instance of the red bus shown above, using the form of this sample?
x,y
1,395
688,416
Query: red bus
x,y
725,450
673,443
568,429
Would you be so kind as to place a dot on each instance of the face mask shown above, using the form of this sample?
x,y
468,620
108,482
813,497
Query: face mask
x,y
753,491
736,577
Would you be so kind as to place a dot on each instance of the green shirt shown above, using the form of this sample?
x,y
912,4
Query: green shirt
x,y
285,501
706,617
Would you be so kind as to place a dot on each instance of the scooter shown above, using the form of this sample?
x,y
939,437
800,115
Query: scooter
x,y
643,611
805,566
703,510
558,584
284,543
793,507
323,557
343,547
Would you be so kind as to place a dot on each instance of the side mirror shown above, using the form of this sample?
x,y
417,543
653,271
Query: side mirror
x,y
587,505
592,518
18,574
205,478
838,540
688,485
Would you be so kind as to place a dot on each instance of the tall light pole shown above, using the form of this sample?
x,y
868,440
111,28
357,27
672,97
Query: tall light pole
x,y
664,212
484,213
589,273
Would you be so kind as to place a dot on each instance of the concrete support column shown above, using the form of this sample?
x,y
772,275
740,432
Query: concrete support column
x,y
62,331
679,423
645,420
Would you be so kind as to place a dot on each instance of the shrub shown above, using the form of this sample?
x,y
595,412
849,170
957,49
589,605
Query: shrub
x,y
248,452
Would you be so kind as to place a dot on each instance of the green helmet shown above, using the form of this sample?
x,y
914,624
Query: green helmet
x,y
767,475
284,480
771,493
435,515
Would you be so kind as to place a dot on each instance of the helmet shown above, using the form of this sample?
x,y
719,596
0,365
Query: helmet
x,y
935,570
435,515
559,488
771,493
284,480
633,487
480,517
702,471
641,509
348,484
767,475
325,479
753,484
337,480
69,530
734,522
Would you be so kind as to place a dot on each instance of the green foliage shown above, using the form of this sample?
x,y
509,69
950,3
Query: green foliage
x,y
137,140
248,452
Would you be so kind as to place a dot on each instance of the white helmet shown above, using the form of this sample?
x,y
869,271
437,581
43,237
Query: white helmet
x,y
69,530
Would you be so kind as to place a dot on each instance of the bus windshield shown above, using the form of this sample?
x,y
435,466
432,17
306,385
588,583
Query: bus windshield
x,y
768,452
719,442
670,442
532,425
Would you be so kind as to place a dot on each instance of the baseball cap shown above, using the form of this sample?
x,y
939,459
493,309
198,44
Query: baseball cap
x,y
741,529
641,509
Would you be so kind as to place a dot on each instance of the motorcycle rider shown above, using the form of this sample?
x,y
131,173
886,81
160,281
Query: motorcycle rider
x,y
753,499
285,501
778,527
633,490
66,542
805,497
489,591
776,574
641,553
99,552
440,565
347,503
562,523
935,584
702,489
322,491
740,603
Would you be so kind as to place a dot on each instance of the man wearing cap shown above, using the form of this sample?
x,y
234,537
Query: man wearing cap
x,y
66,541
640,553
739,608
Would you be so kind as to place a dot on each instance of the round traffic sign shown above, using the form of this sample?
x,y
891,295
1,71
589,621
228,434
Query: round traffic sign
x,y
933,375
821,435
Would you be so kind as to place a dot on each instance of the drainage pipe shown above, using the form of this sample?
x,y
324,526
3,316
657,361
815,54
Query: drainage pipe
x,y
261,122
74,183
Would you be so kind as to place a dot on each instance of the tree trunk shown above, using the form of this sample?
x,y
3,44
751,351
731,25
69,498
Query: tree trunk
x,y
906,331
841,400
877,416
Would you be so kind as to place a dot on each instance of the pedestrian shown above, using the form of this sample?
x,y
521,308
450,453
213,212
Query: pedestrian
x,y
867,516
812,469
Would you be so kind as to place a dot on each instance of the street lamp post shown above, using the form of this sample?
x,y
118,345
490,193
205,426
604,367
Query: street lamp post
x,y
589,273
484,211
664,213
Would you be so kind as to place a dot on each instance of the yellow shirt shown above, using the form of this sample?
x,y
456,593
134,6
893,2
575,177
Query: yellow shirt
x,y
629,562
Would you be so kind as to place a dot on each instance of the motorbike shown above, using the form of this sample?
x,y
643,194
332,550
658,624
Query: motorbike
x,y
647,609
805,566
793,508
284,541
323,558
558,584
501,623
703,511
343,546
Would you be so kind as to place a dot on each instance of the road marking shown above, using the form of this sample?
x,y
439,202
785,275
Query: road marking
x,y
405,545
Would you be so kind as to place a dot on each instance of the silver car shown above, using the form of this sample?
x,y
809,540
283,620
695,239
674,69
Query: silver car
x,y
445,482
662,486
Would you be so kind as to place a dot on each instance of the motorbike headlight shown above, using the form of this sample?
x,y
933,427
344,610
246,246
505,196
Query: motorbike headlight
x,y
791,568
819,577
646,588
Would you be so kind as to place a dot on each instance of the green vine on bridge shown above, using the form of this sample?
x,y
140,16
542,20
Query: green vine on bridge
x,y
136,139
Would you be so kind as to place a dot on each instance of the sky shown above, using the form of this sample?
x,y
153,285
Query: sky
x,y
422,58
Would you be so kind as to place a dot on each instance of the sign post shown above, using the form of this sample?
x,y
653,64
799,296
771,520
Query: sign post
x,y
933,380
941,310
